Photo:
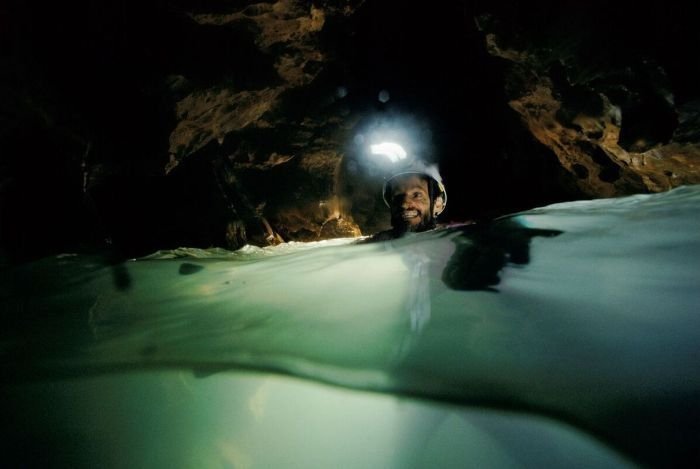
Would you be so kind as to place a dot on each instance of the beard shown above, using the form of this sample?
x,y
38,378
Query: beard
x,y
401,225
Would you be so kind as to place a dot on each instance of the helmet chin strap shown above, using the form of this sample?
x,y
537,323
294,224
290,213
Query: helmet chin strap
x,y
431,194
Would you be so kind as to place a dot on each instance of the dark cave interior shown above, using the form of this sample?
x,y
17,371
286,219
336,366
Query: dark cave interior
x,y
88,94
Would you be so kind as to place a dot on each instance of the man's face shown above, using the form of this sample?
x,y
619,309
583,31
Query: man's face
x,y
410,203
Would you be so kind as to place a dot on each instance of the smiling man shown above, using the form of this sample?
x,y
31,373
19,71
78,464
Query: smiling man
x,y
415,197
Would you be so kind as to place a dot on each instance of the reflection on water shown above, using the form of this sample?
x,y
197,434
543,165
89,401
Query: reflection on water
x,y
581,312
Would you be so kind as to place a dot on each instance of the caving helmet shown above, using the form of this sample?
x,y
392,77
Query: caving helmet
x,y
436,188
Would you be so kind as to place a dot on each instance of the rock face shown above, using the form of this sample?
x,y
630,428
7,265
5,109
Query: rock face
x,y
275,140
607,110
223,123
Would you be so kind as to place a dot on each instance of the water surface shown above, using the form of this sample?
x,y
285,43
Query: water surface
x,y
566,335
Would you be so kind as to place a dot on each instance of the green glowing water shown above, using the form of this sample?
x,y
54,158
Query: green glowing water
x,y
562,336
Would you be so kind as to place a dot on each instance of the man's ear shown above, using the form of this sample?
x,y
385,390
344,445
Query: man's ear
x,y
438,206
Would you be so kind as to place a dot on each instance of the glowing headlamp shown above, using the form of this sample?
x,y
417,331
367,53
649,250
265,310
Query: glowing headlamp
x,y
393,151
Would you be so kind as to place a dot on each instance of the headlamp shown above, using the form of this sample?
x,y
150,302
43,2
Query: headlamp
x,y
393,151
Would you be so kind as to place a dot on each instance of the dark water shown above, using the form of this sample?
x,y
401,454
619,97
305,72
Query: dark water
x,y
566,336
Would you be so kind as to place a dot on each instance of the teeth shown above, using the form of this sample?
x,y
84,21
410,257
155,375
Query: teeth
x,y
409,214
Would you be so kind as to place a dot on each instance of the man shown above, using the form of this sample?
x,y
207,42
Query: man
x,y
415,197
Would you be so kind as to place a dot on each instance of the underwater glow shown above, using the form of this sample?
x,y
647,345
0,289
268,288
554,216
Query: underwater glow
x,y
393,151
564,336
175,419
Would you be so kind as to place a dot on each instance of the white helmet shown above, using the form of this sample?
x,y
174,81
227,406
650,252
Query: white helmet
x,y
435,185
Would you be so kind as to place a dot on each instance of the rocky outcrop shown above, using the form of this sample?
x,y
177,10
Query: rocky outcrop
x,y
279,141
607,111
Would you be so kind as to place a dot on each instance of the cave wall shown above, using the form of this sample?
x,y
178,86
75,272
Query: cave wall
x,y
610,91
205,123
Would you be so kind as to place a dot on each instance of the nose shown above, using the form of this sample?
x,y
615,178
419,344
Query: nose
x,y
404,201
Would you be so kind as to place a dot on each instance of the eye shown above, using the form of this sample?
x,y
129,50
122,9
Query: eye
x,y
417,195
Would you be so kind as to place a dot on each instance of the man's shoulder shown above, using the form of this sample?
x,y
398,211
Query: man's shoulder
x,y
391,234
